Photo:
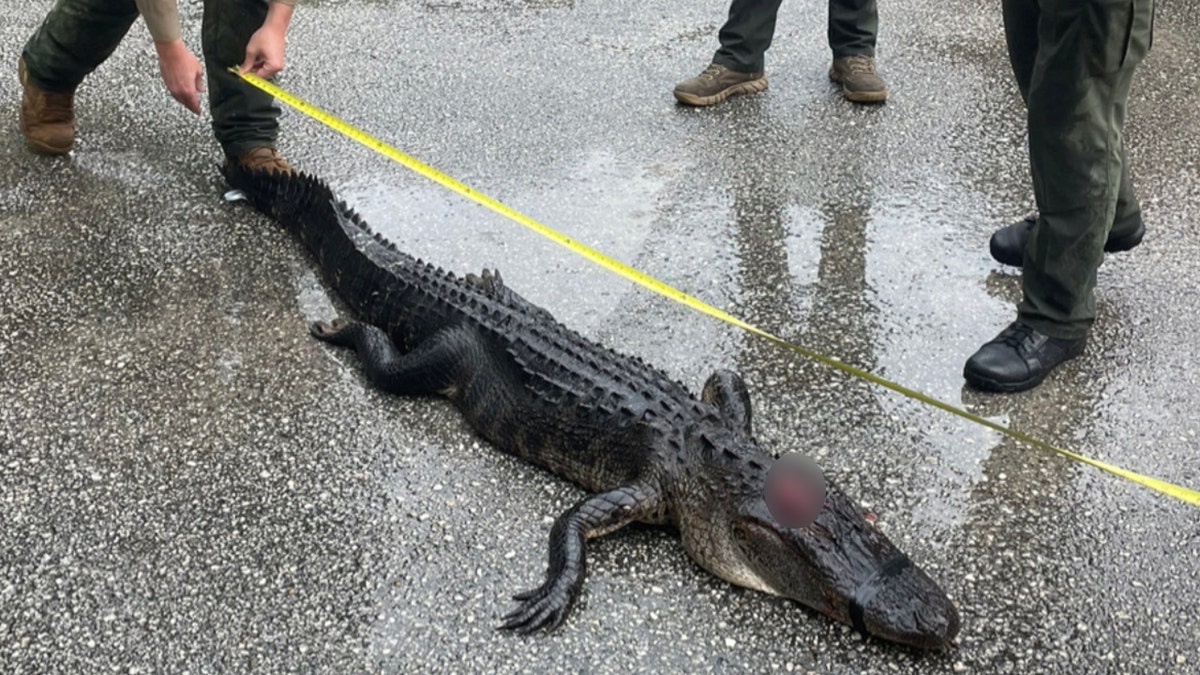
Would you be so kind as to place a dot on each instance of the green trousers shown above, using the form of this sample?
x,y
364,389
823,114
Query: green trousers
x,y
746,35
78,35
1074,62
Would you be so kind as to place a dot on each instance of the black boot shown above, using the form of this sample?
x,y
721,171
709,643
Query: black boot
x,y
1019,358
1008,243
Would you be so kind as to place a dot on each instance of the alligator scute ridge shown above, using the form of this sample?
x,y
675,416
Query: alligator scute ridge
x,y
647,448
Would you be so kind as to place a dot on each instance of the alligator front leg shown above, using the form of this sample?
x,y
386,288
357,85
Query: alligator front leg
x,y
547,605
727,390
429,368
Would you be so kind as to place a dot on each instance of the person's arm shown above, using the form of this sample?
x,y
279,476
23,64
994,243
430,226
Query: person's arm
x,y
264,51
181,70
161,17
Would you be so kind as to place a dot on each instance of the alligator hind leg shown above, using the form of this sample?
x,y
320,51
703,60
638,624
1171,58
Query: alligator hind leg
x,y
428,369
547,605
727,390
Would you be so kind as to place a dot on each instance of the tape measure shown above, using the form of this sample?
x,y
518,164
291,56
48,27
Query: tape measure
x,y
1190,496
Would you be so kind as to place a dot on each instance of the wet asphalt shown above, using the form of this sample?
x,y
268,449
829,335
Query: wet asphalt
x,y
189,483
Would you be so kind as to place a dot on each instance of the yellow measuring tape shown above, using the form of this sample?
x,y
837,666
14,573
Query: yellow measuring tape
x,y
1190,496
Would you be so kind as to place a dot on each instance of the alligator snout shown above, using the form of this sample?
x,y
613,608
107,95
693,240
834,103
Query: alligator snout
x,y
902,604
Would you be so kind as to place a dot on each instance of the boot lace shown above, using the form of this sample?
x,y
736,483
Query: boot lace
x,y
860,64
265,158
1017,336
712,71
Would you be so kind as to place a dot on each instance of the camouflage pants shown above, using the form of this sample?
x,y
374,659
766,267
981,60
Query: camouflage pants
x,y
78,35
745,37
1074,62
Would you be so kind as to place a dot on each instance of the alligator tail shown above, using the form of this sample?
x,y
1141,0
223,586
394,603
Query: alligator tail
x,y
300,202
306,206
338,238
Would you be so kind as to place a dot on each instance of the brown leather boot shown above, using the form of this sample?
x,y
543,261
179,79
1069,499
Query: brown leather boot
x,y
860,83
47,117
262,158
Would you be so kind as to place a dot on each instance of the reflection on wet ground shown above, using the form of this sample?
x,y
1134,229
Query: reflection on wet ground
x,y
189,482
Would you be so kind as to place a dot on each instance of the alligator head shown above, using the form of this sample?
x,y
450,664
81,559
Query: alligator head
x,y
840,565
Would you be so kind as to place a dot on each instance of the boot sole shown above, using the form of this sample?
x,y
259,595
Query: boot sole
x,y
44,149
981,383
864,96
751,87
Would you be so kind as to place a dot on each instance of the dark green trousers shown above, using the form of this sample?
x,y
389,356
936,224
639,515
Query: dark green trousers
x,y
1074,62
746,35
78,35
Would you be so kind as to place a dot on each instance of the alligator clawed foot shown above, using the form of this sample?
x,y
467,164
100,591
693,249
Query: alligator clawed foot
x,y
543,607
328,331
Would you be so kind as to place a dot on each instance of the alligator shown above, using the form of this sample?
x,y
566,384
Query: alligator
x,y
647,449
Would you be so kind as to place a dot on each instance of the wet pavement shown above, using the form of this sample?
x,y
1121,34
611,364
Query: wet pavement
x,y
188,482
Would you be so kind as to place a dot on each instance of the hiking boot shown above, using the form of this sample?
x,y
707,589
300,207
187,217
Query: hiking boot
x,y
718,83
47,117
859,81
261,158
1008,242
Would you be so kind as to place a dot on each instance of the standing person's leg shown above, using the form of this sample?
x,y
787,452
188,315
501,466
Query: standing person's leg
x,y
1021,35
1077,153
747,34
738,65
853,28
245,120
1009,242
1128,228
75,37
1079,85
